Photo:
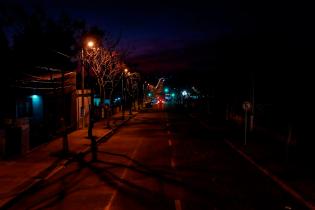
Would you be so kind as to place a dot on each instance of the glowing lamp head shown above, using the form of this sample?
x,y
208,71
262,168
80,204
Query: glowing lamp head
x,y
90,44
34,97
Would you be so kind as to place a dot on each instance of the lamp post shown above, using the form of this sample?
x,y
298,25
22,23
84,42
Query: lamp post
x,y
123,101
252,96
143,93
133,85
82,88
91,46
130,96
65,142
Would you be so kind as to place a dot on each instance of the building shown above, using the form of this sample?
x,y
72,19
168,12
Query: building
x,y
35,107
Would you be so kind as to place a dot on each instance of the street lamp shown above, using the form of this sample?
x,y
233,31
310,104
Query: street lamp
x,y
133,89
123,101
90,45
144,94
82,112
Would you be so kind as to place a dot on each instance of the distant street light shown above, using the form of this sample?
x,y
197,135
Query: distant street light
x,y
123,101
184,93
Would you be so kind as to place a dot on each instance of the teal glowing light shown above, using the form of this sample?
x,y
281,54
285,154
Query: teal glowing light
x,y
97,101
173,94
37,107
166,90
150,94
36,100
35,97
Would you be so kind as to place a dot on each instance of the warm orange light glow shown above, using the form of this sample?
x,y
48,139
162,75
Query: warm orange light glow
x,y
90,44
126,70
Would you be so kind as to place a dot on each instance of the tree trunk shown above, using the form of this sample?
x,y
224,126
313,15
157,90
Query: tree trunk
x,y
102,95
110,111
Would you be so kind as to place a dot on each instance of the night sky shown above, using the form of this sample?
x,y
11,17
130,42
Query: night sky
x,y
200,36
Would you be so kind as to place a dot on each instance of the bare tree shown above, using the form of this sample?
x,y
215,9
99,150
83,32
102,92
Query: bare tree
x,y
106,65
102,63
112,79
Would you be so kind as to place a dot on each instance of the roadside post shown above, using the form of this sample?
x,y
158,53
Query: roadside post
x,y
246,107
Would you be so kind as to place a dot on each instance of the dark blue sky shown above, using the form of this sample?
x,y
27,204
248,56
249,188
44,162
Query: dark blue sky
x,y
167,35
150,25
147,25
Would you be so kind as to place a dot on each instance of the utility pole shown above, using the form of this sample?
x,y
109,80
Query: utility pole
x,y
91,120
252,116
82,88
91,46
122,96
247,107
91,109
65,142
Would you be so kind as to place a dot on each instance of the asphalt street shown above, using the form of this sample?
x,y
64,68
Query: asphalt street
x,y
160,160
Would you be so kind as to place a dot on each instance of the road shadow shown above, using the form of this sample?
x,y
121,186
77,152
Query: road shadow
x,y
64,184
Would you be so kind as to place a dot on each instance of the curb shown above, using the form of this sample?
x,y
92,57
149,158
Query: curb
x,y
59,166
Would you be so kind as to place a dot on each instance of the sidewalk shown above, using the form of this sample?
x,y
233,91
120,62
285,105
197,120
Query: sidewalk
x,y
18,175
269,152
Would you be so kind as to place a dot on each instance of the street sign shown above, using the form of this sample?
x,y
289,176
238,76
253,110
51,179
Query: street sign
x,y
247,106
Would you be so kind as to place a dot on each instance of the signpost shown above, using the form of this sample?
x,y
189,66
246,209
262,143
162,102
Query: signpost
x,y
247,107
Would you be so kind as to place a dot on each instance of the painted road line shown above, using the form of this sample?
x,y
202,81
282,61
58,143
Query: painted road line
x,y
280,183
123,176
173,164
178,205
56,170
170,142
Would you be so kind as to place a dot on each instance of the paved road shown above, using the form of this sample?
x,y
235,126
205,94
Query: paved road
x,y
160,161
